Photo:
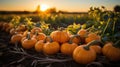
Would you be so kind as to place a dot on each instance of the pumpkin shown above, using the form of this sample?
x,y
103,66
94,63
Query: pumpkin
x,y
96,48
39,36
33,31
16,38
13,31
83,54
68,48
76,39
91,37
10,26
39,46
83,33
21,27
112,51
25,33
5,25
60,36
28,42
51,47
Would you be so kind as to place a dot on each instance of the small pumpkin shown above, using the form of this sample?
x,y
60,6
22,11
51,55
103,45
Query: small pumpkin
x,y
51,47
25,33
16,38
83,33
39,36
39,46
60,36
76,39
91,37
33,31
96,48
83,54
112,51
21,27
68,47
28,42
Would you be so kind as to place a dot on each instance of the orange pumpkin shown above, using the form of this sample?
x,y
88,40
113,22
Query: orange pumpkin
x,y
112,51
60,36
83,33
16,38
33,31
76,39
40,36
51,47
29,42
39,46
83,54
91,37
25,33
21,27
97,49
68,48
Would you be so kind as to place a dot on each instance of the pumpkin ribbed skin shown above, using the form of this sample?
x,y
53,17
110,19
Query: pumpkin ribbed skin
x,y
111,52
84,56
50,48
67,48
39,46
60,36
28,43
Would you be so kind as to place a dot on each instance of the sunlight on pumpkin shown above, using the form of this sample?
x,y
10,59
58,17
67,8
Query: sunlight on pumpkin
x,y
44,7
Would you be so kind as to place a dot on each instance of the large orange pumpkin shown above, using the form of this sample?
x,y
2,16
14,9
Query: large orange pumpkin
x,y
29,42
83,54
112,51
60,36
51,47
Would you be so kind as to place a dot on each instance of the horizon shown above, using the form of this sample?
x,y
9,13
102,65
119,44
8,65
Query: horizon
x,y
67,5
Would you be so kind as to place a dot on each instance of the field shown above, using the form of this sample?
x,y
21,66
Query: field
x,y
96,28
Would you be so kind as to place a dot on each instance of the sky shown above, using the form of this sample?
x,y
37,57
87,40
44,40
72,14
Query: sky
x,y
65,5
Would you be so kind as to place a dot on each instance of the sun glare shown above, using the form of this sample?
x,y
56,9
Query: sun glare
x,y
44,7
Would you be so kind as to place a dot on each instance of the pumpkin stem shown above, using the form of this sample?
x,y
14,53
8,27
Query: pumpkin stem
x,y
46,39
70,41
117,44
28,36
94,42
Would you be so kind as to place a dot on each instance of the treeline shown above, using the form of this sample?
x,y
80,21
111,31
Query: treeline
x,y
28,12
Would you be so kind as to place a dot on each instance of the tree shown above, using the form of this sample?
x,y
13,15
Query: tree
x,y
51,10
37,9
117,8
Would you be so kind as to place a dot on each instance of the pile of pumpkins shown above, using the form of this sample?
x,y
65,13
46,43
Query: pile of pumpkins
x,y
64,42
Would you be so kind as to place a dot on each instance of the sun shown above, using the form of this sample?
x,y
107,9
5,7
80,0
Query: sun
x,y
44,7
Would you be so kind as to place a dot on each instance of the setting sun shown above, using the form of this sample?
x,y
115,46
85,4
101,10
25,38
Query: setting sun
x,y
44,7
